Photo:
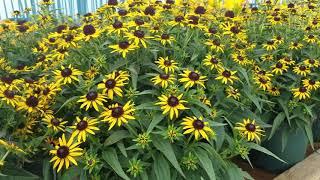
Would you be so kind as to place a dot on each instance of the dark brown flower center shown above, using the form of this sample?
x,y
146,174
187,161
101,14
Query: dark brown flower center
x,y
198,124
270,42
124,44
63,152
214,60
9,94
41,58
240,58
117,25
170,1
110,83
251,127
226,73
164,76
194,76
173,101
312,82
279,38
66,72
112,2
229,14
89,30
7,79
193,20
82,125
52,40
291,5
22,28
165,36
139,34
61,28
150,11
312,61
92,95
68,38
200,10
235,30
295,44
216,42
139,22
62,50
55,122
311,36
279,65
303,89
117,112
179,18
263,81
32,101
167,63
213,30
276,18
122,12
303,68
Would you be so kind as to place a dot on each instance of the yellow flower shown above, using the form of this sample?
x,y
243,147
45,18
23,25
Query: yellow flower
x,y
165,39
92,99
279,68
233,93
117,114
91,72
311,63
249,130
65,152
163,79
227,76
302,70
190,78
137,37
233,4
301,93
31,104
198,127
310,38
55,123
171,104
84,126
89,31
295,46
9,96
311,84
263,83
270,45
117,27
123,47
10,146
67,74
274,91
168,66
215,45
212,62
112,84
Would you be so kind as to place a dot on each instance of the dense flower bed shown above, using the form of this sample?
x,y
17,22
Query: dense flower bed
x,y
150,89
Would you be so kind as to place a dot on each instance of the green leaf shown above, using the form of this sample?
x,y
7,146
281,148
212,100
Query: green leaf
x,y
264,150
110,156
134,76
116,136
285,109
165,147
309,134
11,172
71,173
205,162
147,106
276,123
245,75
155,121
200,104
67,102
46,169
254,99
161,167
147,92
122,149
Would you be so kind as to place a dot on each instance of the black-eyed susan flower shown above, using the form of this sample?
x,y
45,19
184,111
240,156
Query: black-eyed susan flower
x,y
123,47
165,39
250,130
215,45
89,31
117,114
163,80
310,38
31,103
233,93
226,76
171,104
191,78
279,68
117,27
274,91
198,127
295,46
302,70
83,126
9,96
311,63
168,66
212,62
50,90
263,83
240,58
311,84
67,74
287,61
112,84
91,72
65,152
270,45
11,147
278,40
56,124
138,37
301,93
92,99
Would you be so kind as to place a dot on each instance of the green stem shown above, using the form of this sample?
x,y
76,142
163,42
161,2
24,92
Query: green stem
x,y
5,156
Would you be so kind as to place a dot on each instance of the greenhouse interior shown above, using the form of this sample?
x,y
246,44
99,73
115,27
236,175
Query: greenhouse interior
x,y
159,89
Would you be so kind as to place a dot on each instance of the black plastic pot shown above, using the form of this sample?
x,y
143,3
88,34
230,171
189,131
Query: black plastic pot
x,y
294,151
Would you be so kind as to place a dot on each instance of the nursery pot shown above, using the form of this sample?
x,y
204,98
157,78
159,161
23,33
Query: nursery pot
x,y
293,152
